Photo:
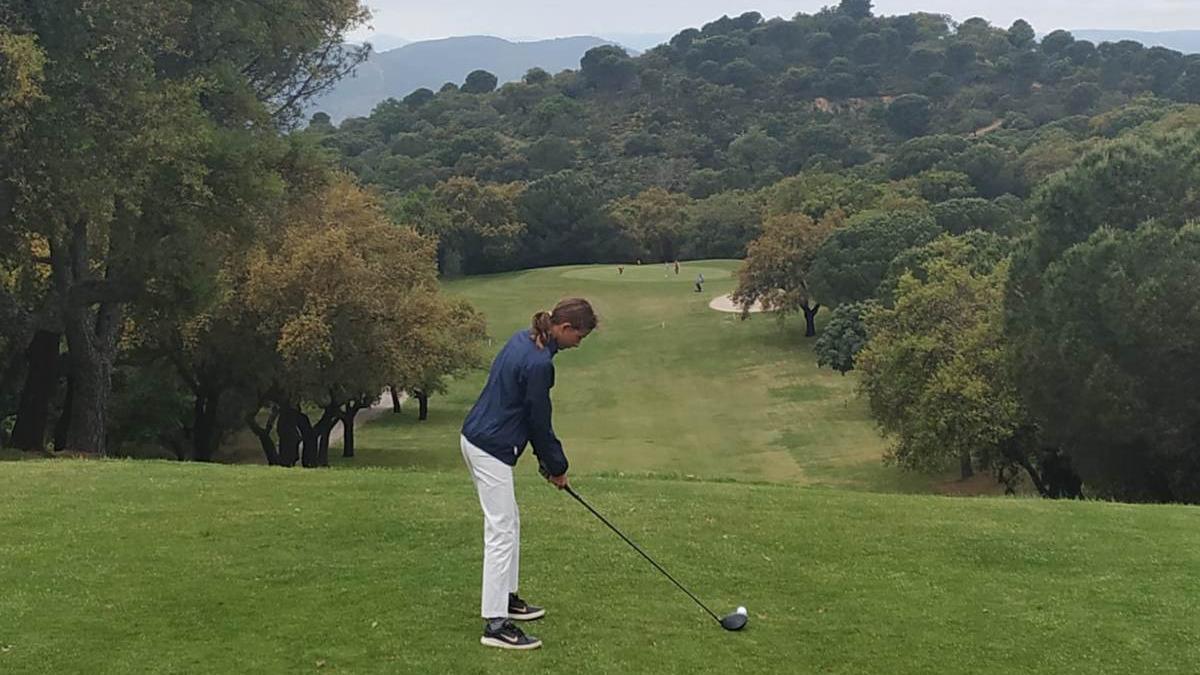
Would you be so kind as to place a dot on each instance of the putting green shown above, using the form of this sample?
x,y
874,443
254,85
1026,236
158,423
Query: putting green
x,y
653,272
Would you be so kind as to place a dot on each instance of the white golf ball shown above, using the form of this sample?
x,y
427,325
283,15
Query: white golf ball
x,y
741,610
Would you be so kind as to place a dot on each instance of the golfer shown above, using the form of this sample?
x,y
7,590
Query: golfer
x,y
514,409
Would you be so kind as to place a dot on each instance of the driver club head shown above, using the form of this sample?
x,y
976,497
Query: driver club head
x,y
735,621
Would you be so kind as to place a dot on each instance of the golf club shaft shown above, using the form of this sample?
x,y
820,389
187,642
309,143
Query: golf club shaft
x,y
637,548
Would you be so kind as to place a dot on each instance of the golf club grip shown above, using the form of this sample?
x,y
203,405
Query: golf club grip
x,y
571,491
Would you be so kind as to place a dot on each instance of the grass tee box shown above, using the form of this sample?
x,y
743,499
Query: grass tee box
x,y
124,567
665,385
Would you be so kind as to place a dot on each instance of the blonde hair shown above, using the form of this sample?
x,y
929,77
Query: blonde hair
x,y
575,311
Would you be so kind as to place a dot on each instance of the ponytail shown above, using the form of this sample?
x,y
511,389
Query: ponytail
x,y
541,329
575,311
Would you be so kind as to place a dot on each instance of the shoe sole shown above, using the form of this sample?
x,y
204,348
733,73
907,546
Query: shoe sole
x,y
497,642
529,616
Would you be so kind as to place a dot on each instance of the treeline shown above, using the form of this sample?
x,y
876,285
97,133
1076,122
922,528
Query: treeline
x,y
174,267
1060,349
726,111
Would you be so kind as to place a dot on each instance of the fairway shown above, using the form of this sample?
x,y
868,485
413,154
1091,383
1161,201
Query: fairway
x,y
154,567
666,385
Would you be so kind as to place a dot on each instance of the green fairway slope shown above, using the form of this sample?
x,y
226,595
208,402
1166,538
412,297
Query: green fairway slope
x,y
666,385
128,567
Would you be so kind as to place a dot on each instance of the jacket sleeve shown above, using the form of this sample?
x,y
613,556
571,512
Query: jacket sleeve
x,y
546,445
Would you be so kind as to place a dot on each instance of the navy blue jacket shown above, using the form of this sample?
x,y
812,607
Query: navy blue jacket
x,y
514,408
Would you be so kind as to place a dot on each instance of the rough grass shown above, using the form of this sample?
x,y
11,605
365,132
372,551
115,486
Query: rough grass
x,y
156,567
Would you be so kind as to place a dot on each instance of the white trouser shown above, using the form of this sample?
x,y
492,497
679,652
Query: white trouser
x,y
501,528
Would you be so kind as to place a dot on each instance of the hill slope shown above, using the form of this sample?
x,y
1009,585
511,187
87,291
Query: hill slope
x,y
432,63
121,567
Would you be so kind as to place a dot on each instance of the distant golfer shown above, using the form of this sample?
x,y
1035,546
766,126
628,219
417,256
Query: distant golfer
x,y
700,283
513,410
676,267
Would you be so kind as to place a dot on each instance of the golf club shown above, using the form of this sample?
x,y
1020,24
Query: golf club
x,y
735,621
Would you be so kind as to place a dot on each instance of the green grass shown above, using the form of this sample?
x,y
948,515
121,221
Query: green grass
x,y
665,386
156,567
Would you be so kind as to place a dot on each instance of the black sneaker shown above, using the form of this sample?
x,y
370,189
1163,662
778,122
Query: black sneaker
x,y
520,610
503,633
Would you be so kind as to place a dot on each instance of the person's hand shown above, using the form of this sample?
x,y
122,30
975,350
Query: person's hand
x,y
560,482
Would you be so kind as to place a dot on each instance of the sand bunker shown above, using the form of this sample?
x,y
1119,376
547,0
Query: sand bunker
x,y
724,304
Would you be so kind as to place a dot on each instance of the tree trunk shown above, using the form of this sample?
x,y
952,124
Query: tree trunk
x,y
810,319
308,440
63,426
41,379
323,429
93,328
964,465
264,436
289,435
423,403
205,434
395,399
92,365
348,429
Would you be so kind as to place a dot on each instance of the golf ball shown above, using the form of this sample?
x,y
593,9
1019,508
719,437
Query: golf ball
x,y
741,610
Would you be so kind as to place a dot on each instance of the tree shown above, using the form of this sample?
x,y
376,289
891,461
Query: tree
x,y
850,265
1106,271
419,97
1057,41
779,262
991,168
869,48
1021,35
958,216
721,226
656,219
551,154
566,222
172,96
537,77
976,251
1082,97
922,61
448,346
909,115
1128,305
1187,89
843,338
936,186
817,193
855,9
345,303
608,68
755,152
479,82
483,228
960,56
934,372
922,154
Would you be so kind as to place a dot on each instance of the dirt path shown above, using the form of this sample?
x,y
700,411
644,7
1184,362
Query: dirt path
x,y
994,126
383,405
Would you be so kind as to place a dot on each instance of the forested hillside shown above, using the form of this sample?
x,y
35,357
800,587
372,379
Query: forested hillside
x,y
739,105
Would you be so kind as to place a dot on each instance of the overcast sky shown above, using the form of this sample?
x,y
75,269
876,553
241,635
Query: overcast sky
x,y
424,19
